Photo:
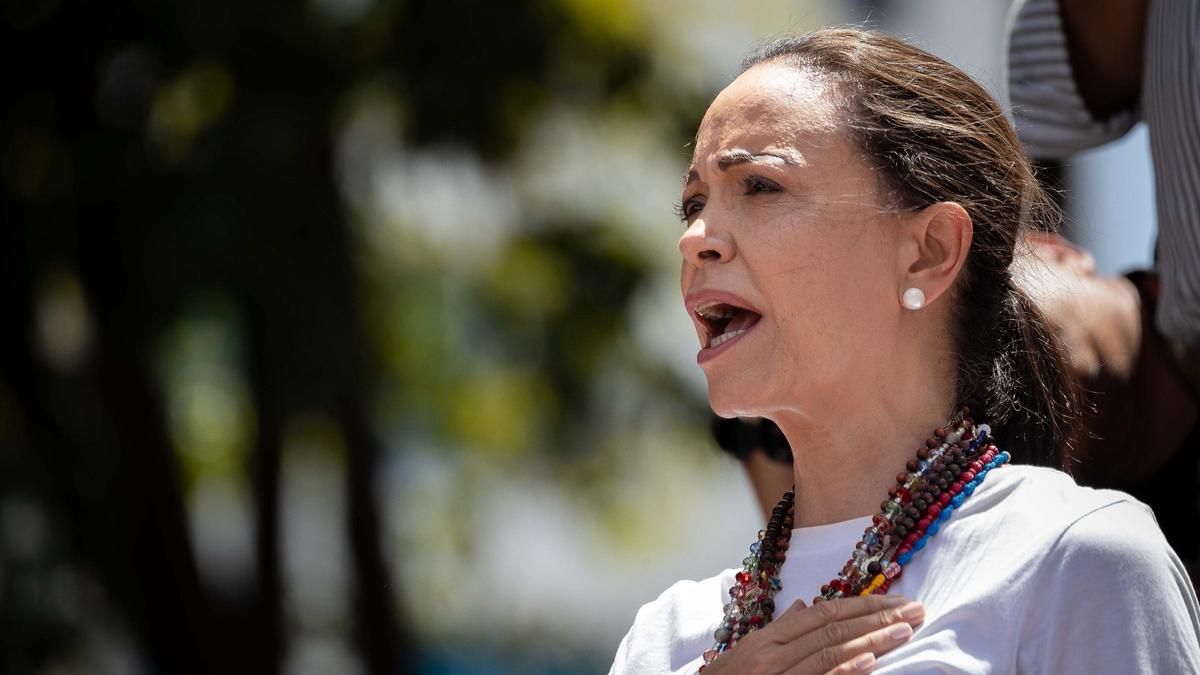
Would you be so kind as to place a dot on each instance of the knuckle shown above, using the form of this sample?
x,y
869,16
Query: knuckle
x,y
875,603
755,665
835,633
879,601
827,659
827,610
872,603
885,618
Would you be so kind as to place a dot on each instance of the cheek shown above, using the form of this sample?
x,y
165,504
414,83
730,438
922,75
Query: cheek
x,y
830,299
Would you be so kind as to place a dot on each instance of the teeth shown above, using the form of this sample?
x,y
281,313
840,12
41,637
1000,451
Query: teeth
x,y
723,338
715,310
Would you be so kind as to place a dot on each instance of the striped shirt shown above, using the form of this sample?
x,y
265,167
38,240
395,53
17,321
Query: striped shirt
x,y
1053,123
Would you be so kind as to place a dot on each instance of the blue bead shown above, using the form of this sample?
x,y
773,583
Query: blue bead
x,y
755,547
969,490
920,544
957,501
903,558
934,527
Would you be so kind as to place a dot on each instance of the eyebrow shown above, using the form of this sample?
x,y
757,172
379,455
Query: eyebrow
x,y
736,156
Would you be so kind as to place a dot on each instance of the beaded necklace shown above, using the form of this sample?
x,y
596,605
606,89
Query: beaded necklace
x,y
945,472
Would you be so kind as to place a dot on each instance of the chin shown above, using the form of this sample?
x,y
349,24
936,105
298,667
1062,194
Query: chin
x,y
732,401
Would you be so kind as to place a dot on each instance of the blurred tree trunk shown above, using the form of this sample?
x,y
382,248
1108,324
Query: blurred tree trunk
x,y
301,298
265,465
376,628
175,616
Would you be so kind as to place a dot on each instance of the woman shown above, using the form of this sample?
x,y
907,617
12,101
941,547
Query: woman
x,y
850,217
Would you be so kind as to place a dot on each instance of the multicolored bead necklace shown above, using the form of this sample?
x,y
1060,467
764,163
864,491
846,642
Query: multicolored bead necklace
x,y
946,470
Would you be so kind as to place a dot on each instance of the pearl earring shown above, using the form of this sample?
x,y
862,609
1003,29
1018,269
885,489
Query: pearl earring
x,y
914,299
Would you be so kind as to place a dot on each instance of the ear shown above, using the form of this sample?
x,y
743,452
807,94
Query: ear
x,y
934,246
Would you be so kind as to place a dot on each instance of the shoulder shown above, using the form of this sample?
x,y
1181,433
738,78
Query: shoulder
x,y
1022,525
1105,592
1038,527
675,628
1048,502
683,600
1048,508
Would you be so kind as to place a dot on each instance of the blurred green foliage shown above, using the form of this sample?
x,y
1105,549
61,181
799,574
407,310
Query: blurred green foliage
x,y
190,264
272,268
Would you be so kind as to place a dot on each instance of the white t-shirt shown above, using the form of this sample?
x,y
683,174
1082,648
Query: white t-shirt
x,y
1033,574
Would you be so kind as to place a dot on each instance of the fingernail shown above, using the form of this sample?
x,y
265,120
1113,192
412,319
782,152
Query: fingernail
x,y
899,631
912,611
863,662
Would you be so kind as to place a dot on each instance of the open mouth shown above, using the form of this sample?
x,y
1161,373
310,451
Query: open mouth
x,y
724,322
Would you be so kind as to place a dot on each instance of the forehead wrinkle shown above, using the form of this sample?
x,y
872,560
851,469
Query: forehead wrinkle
x,y
774,109
775,136
734,156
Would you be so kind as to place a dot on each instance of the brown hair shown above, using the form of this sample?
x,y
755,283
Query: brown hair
x,y
936,135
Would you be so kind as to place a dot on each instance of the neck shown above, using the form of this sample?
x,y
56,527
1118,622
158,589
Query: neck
x,y
844,464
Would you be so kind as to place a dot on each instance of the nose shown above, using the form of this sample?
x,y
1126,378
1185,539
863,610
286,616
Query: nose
x,y
701,244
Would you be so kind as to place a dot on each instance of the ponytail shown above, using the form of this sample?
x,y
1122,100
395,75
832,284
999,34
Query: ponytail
x,y
1017,376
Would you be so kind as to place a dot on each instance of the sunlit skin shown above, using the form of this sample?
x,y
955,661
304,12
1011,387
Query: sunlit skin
x,y
784,211
1097,318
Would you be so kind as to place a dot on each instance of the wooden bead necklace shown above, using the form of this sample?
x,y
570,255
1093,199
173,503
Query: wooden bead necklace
x,y
946,471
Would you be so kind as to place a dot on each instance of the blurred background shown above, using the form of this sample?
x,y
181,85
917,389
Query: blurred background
x,y
343,336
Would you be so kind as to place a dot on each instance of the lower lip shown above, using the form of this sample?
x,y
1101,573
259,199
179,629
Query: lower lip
x,y
709,353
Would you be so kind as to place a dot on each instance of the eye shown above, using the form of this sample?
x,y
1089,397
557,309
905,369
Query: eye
x,y
757,184
689,207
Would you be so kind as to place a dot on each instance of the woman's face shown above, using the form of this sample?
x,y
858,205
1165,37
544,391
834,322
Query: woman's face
x,y
790,269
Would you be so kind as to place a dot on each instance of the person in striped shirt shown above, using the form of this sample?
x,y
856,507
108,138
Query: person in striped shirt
x,y
1081,74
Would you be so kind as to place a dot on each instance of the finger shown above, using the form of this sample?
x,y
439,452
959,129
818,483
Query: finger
x,y
838,633
912,613
767,651
877,642
800,619
863,663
